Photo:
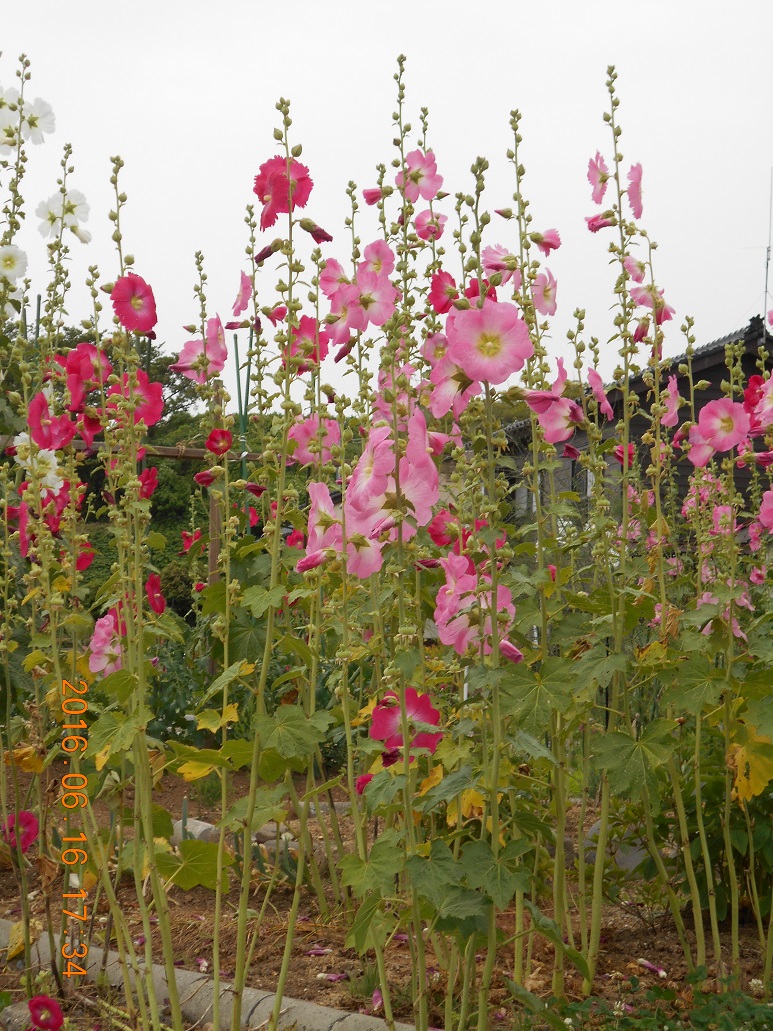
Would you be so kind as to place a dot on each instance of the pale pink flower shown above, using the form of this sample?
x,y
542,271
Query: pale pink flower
x,y
332,278
547,241
316,433
105,646
671,401
560,420
596,222
499,259
544,293
598,175
429,226
435,348
636,269
597,386
723,423
198,361
377,297
452,389
324,528
766,510
489,343
244,295
421,178
634,190
378,258
651,297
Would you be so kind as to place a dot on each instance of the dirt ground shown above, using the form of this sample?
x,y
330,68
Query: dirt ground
x,y
636,928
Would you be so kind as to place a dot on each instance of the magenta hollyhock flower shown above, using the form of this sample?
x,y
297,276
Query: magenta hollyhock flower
x,y
560,420
636,269
85,556
26,824
372,195
570,452
598,176
362,782
429,226
473,290
671,400
386,723
45,1013
421,178
723,423
86,367
547,241
156,599
219,441
311,561
509,651
189,539
442,292
134,304
378,258
50,432
489,343
148,482
634,190
642,328
277,314
597,386
625,458
205,478
313,432
278,190
244,295
105,645
147,396
544,293
295,539
444,528
199,360
596,222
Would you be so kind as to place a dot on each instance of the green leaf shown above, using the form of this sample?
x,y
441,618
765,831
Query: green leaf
x,y
631,763
196,866
358,936
213,599
406,660
449,787
246,636
695,684
379,871
433,875
534,1004
289,733
296,646
155,540
549,928
759,713
382,789
114,731
226,677
533,697
119,684
597,664
258,599
495,876
162,820
267,807
458,903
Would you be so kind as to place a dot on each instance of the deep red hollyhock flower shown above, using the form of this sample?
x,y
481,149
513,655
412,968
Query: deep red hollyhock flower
x,y
45,1013
189,539
85,367
295,539
134,304
28,829
49,432
278,191
156,599
219,441
255,489
205,478
148,481
199,587
85,557
362,782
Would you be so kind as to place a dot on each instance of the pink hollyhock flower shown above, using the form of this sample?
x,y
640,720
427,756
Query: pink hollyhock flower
x,y
651,297
50,432
244,295
255,489
723,423
671,401
86,367
473,290
625,458
105,645
156,599
199,361
332,278
386,721
435,348
634,190
489,343
429,226
442,292
279,191
189,539
362,782
763,410
560,420
205,478
498,259
377,298
147,396
378,258
277,314
547,241
370,476
766,510
420,178
598,176
148,482
570,452
509,651
311,433
758,575
310,340
311,561
350,314
134,304
444,528
26,824
219,442
597,386
636,269
324,520
372,195
544,293
642,328
596,222
452,389
45,1013
540,401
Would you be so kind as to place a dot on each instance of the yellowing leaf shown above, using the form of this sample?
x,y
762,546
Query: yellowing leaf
x,y
753,765
62,583
654,654
101,758
32,594
364,713
36,658
472,807
212,720
16,940
88,880
435,776
193,770
26,758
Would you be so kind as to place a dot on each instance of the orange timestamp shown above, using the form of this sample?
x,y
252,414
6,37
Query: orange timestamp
x,y
75,796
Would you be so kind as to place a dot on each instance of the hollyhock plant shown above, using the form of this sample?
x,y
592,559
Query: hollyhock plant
x,y
21,830
281,184
420,178
603,221
489,343
671,400
378,258
309,340
625,456
244,295
636,269
722,424
386,722
148,482
205,478
134,303
85,367
598,177
200,360
651,297
45,1013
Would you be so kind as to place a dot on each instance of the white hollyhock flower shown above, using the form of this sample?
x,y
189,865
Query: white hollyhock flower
x,y
13,262
12,313
83,234
50,213
38,119
76,209
41,465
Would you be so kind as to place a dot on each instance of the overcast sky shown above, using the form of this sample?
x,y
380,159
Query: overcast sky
x,y
185,93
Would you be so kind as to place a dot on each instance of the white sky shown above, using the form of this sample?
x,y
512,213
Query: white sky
x,y
185,93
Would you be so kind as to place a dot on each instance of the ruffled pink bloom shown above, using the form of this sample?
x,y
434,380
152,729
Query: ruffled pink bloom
x,y
311,432
105,645
332,278
200,360
598,175
372,195
596,222
671,401
442,292
766,510
134,304
460,606
421,178
499,259
310,561
544,293
597,386
651,297
378,258
86,367
489,343
25,824
723,423
278,191
50,432
377,297
156,599
386,721
148,482
244,295
636,269
429,226
560,420
277,314
452,389
547,241
634,190
147,396
308,338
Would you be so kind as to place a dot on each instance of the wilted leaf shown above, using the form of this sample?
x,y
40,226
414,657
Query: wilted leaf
x,y
753,765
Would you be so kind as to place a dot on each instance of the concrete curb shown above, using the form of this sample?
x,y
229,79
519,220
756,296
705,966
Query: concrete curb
x,y
197,994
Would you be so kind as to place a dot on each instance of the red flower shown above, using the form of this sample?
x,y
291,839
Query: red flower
x,y
205,478
45,1013
85,557
29,829
362,782
386,722
199,587
156,600
279,192
49,432
255,489
619,452
295,539
134,304
219,441
189,539
147,397
148,481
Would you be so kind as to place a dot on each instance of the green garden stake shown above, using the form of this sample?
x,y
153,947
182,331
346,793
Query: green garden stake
x,y
184,819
